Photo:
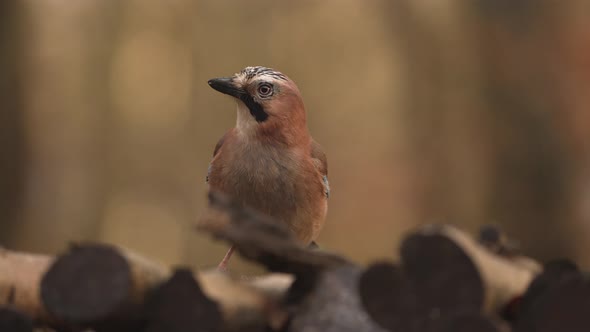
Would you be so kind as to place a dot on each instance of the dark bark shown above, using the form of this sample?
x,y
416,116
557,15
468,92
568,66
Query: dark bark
x,y
107,288
179,304
100,287
333,305
453,273
557,300
15,321
389,298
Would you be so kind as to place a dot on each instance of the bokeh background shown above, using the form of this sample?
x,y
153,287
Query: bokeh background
x,y
461,111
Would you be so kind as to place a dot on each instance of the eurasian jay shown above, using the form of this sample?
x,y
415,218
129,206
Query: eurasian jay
x,y
269,161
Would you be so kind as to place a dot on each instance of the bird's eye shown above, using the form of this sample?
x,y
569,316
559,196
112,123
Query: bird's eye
x,y
265,90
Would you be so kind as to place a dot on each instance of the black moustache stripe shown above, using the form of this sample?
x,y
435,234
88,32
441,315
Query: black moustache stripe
x,y
255,108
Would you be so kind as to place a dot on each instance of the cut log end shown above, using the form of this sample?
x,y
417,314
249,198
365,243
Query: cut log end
x,y
87,284
180,305
558,300
443,275
14,321
388,297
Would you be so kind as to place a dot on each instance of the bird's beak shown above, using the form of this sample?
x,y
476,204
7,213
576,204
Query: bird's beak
x,y
226,85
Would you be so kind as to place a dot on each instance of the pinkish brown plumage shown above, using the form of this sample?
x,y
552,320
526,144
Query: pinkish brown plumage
x,y
269,161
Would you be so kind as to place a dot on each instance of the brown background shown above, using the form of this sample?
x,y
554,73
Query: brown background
x,y
467,112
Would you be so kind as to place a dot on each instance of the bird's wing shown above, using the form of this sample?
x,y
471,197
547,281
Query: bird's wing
x,y
216,150
221,140
321,164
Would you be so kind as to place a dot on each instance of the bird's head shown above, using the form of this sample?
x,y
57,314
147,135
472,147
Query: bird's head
x,y
268,101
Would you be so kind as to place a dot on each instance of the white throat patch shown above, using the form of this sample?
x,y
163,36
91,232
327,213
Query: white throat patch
x,y
245,123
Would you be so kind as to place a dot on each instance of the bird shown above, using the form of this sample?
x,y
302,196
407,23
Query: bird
x,y
269,161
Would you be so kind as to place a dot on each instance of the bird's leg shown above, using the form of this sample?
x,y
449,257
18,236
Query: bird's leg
x,y
223,265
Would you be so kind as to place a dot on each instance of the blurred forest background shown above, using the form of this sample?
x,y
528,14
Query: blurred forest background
x,y
463,111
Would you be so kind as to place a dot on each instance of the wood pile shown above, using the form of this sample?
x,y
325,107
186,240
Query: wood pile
x,y
446,280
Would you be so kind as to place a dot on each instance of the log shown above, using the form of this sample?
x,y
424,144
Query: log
x,y
99,286
553,273
20,275
389,298
179,304
333,305
453,273
106,288
12,320
248,302
492,238
557,300
260,238
447,281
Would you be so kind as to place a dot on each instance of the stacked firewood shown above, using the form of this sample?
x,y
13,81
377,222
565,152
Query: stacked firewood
x,y
445,281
